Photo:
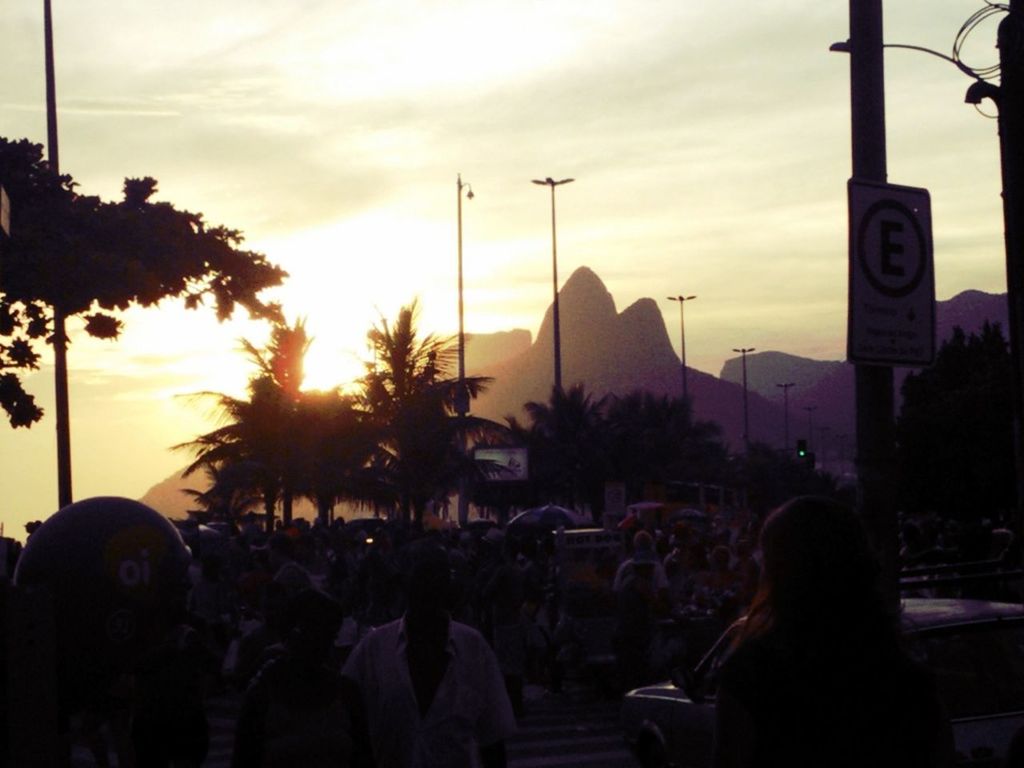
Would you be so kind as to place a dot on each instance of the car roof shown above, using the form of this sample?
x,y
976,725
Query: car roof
x,y
920,613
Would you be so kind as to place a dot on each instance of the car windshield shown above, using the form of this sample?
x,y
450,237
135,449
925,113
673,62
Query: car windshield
x,y
979,669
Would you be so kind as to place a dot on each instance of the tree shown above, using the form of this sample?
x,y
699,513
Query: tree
x,y
409,396
340,444
954,433
230,492
91,258
263,430
770,477
567,438
653,439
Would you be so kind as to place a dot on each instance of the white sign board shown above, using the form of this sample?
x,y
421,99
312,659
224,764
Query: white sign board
x,y
505,464
891,313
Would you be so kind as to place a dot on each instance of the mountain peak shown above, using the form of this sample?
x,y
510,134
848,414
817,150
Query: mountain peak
x,y
585,305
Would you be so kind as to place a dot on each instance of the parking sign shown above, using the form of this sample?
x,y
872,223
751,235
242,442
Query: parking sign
x,y
891,311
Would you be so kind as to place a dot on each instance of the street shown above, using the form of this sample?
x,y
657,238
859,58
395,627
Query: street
x,y
576,728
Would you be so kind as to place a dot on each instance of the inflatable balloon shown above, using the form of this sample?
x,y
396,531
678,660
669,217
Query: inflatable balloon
x,y
116,572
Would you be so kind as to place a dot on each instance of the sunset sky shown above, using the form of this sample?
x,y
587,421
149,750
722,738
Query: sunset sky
x,y
709,143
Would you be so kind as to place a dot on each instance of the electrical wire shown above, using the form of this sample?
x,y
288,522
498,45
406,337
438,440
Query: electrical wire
x,y
973,22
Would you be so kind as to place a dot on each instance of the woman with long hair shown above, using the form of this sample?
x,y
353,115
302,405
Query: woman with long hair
x,y
818,676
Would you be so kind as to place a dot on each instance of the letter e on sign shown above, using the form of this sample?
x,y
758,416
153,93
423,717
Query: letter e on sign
x,y
891,313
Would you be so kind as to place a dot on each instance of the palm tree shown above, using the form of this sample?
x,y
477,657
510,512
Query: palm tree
x,y
231,490
567,437
341,443
409,396
262,430
653,439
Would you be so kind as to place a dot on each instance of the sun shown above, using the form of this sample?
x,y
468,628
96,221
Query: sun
x,y
327,367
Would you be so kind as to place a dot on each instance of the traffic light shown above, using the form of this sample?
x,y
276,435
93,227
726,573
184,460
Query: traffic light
x,y
801,449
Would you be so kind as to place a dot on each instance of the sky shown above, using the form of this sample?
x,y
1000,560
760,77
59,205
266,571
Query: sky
x,y
709,143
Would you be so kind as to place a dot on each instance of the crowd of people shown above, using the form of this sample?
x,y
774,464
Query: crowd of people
x,y
307,622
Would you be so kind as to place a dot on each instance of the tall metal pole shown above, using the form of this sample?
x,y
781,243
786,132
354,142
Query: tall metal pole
x,y
1011,150
462,404
785,414
874,384
554,278
462,396
682,340
746,420
60,341
810,425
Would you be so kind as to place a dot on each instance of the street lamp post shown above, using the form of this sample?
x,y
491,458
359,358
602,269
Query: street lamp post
x,y
60,339
462,395
785,414
462,404
823,446
746,414
549,182
682,338
810,425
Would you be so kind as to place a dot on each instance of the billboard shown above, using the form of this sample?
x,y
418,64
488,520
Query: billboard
x,y
504,465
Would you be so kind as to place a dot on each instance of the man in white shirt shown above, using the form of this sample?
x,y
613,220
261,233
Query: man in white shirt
x,y
431,687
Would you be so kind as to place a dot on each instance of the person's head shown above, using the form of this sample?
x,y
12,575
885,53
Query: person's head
x,y
719,558
313,621
428,588
820,574
281,548
643,542
211,566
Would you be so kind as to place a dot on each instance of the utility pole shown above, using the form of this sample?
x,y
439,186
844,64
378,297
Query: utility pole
x,y
810,425
1009,98
746,414
682,339
462,397
874,383
549,182
60,339
785,414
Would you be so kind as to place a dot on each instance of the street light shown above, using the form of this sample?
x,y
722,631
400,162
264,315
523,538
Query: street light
x,y
746,417
549,182
60,339
785,414
462,401
810,424
462,395
682,338
823,444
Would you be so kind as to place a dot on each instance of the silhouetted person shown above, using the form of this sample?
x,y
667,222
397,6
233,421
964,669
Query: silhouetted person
x,y
299,712
431,687
169,725
505,594
818,676
641,598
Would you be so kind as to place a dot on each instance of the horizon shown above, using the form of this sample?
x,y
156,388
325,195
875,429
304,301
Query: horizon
x,y
710,148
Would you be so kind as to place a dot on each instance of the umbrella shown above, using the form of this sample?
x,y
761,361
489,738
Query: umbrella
x,y
547,517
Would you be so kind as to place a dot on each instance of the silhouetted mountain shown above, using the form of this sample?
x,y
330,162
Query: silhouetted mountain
x,y
485,350
970,310
166,497
615,353
828,386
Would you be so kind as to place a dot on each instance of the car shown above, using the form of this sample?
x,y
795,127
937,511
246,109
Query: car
x,y
975,649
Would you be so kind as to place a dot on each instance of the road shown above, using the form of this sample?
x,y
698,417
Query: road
x,y
577,729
